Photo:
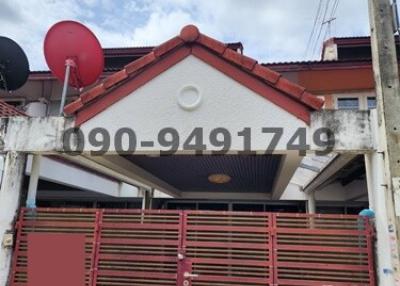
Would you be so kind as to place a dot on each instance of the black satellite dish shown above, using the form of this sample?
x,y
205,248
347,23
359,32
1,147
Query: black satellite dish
x,y
14,66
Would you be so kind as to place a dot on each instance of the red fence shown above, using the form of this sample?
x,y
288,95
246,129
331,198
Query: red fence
x,y
199,248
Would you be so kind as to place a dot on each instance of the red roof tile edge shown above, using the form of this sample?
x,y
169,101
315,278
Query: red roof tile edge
x,y
190,35
7,110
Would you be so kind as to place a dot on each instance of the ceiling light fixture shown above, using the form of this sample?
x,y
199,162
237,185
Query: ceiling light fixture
x,y
219,178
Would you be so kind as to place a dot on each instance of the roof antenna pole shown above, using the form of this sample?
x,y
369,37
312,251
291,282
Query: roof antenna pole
x,y
68,64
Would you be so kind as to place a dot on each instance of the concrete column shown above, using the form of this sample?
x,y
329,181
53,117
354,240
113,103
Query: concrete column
x,y
383,242
142,193
147,196
33,182
311,205
370,179
148,199
10,193
387,86
377,192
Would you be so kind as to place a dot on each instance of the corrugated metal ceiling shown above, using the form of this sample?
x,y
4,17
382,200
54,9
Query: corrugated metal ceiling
x,y
190,173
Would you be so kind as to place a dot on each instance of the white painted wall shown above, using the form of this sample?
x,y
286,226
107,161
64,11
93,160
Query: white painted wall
x,y
224,103
161,195
2,160
330,52
337,192
293,192
332,192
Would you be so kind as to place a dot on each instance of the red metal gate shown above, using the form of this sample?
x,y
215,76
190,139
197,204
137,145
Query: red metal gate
x,y
225,248
323,250
199,248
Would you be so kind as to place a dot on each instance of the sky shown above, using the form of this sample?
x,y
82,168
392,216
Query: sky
x,y
270,30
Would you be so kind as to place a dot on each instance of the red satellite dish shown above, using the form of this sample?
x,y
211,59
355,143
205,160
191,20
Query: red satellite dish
x,y
73,54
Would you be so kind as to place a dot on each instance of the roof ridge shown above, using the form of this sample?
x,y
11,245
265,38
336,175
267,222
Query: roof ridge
x,y
190,35
154,46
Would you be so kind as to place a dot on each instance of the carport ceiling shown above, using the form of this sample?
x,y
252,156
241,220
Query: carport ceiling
x,y
191,173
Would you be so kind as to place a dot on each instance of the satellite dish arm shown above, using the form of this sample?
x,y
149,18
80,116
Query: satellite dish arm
x,y
68,64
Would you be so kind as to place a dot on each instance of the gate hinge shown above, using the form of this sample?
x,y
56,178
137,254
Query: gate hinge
x,y
8,240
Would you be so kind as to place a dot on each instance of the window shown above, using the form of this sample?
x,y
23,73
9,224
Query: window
x,y
371,102
213,206
347,103
248,207
182,206
331,209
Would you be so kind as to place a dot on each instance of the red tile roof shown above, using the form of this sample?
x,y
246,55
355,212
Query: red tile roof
x,y
141,51
116,58
7,110
353,41
262,80
318,65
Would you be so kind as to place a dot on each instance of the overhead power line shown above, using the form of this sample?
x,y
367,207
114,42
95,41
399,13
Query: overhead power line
x,y
322,25
317,16
332,18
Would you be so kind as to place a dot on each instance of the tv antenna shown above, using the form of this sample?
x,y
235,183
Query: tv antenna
x,y
74,56
14,66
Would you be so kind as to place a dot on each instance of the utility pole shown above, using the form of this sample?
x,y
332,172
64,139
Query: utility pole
x,y
386,75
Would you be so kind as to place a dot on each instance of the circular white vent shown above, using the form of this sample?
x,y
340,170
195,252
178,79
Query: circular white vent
x,y
189,97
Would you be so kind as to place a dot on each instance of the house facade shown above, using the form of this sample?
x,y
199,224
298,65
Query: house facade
x,y
342,78
195,124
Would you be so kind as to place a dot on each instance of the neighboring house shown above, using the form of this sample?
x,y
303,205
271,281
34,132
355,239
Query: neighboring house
x,y
343,78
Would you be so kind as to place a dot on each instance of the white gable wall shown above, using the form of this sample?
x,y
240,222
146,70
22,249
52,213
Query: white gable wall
x,y
224,103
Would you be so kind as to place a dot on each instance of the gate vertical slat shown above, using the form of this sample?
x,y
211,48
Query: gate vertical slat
x,y
183,230
370,247
184,265
274,253
18,228
96,246
181,251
